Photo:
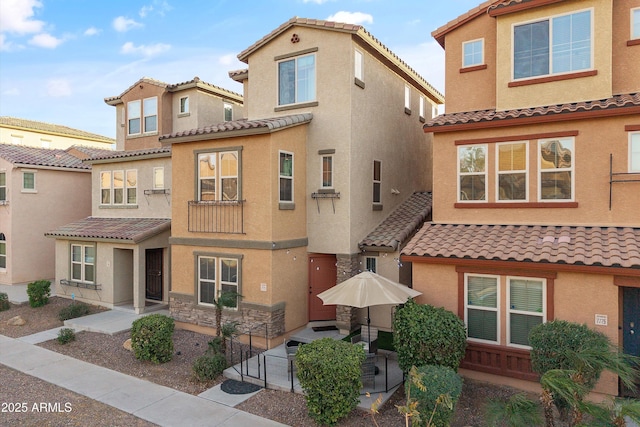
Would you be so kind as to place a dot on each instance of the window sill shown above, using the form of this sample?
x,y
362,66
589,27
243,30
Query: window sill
x,y
407,111
326,191
473,68
141,135
118,207
184,114
358,82
556,78
29,191
77,284
634,42
4,202
376,207
421,119
514,205
286,206
296,106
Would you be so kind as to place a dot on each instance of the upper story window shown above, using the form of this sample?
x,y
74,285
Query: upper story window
x,y
297,80
143,116
512,171
3,186
218,176
119,187
473,53
158,178
28,181
560,44
635,23
377,181
422,107
45,143
3,251
407,99
228,112
286,176
358,71
184,105
16,139
556,177
327,171
472,173
634,152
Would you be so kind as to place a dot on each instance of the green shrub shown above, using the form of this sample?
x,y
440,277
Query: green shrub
x,y
216,345
4,302
72,311
39,292
152,338
426,335
329,372
437,381
66,335
209,366
517,411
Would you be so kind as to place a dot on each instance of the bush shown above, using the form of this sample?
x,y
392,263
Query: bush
x,y
517,411
216,345
152,338
39,292
66,335
437,381
4,302
72,311
209,366
425,335
329,372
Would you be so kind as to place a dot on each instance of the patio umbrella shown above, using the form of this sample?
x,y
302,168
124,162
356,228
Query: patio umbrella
x,y
366,289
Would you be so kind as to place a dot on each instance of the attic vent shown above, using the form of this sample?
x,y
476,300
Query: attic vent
x,y
295,38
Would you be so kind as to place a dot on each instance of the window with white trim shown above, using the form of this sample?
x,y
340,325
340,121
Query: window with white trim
x,y
132,187
16,139
482,302
559,44
377,181
218,176
512,171
119,187
142,116
3,251
634,152
472,173
184,105
3,186
286,176
525,308
407,97
327,171
422,107
105,188
297,80
158,178
371,264
635,23
28,181
83,263
472,53
211,285
358,72
228,112
556,164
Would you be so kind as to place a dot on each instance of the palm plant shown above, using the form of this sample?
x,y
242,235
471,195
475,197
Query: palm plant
x,y
225,299
519,410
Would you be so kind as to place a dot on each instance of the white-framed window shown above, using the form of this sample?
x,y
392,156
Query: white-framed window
x,y
285,176
45,143
119,187
407,97
297,80
3,186
184,105
473,53
511,168
634,152
215,276
559,44
83,263
105,188
377,181
28,181
371,264
358,66
327,171
143,116
16,139
556,169
472,173
525,308
422,107
228,112
3,252
158,178
150,111
482,307
218,176
133,116
132,186
635,23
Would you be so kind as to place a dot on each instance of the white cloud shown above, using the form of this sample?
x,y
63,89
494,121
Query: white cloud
x,y
16,16
145,10
58,88
158,6
144,50
92,31
45,40
351,17
228,59
122,24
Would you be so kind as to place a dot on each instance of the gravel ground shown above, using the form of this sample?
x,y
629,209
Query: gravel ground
x,y
107,351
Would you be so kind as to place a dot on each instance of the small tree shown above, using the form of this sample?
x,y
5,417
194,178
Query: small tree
x,y
426,335
225,299
39,292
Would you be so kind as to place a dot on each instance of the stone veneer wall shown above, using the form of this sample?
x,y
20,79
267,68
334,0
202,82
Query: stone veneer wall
x,y
346,316
251,317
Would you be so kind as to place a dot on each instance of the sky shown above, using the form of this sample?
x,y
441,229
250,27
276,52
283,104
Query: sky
x,y
59,59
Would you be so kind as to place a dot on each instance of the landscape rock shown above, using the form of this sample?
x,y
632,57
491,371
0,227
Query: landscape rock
x,y
16,321
127,344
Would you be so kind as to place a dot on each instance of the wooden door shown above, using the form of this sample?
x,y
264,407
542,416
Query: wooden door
x,y
322,276
153,268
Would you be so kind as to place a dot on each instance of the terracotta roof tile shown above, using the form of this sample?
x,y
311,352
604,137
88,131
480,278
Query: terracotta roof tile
x,y
35,156
470,117
134,230
122,154
574,245
394,231
35,126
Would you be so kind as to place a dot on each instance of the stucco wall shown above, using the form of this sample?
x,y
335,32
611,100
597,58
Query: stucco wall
x,y
626,72
48,140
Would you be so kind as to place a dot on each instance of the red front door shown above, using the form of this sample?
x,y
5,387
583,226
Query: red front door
x,y
322,276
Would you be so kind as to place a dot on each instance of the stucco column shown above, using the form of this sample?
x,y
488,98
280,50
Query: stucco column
x,y
346,316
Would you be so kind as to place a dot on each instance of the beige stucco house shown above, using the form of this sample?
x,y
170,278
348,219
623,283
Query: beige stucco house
x,y
537,179
276,206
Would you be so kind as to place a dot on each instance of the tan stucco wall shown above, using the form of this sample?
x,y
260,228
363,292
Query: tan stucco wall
x,y
205,109
146,140
597,138
48,140
626,72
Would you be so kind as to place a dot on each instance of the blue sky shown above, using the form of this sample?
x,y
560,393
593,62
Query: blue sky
x,y
59,59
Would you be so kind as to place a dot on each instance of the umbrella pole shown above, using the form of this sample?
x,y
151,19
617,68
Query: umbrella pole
x,y
369,328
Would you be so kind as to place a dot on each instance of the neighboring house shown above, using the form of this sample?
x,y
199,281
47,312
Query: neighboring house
x,y
35,197
536,201
119,256
46,135
275,206
150,108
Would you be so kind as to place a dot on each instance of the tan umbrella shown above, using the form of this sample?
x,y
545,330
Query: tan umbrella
x,y
366,289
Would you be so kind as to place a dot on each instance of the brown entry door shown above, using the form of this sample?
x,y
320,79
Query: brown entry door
x,y
322,276
154,274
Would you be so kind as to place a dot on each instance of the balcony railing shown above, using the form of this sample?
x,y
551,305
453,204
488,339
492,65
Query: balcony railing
x,y
216,216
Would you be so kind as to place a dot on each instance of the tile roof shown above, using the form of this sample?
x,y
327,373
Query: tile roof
x,y
134,230
243,125
400,224
570,245
123,154
631,100
50,128
49,157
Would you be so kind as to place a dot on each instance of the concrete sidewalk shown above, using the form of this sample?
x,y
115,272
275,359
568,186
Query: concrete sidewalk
x,y
155,403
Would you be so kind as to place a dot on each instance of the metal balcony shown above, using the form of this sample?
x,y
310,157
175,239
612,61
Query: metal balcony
x,y
216,216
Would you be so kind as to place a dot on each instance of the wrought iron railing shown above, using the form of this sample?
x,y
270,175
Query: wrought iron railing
x,y
216,216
